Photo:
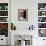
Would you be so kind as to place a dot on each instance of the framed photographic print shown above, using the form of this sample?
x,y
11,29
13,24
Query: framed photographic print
x,y
23,14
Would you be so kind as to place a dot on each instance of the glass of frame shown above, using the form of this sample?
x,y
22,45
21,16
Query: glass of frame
x,y
23,14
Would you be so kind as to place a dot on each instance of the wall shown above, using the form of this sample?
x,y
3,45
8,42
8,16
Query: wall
x,y
32,9
32,15
32,6
3,1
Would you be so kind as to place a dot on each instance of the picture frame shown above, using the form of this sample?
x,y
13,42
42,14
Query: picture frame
x,y
23,14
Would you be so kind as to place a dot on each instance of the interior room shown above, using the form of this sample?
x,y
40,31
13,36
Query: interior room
x,y
22,22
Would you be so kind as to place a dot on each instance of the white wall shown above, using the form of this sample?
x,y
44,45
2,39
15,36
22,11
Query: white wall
x,y
32,6
3,1
32,13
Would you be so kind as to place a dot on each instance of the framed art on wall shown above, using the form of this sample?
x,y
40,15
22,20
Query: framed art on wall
x,y
23,14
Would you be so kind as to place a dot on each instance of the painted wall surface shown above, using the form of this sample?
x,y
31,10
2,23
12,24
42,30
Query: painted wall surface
x,y
3,1
32,13
32,6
